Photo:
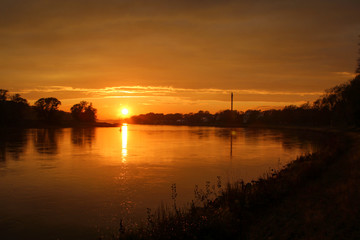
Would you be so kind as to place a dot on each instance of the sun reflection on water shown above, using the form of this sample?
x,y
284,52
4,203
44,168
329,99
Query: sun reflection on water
x,y
124,136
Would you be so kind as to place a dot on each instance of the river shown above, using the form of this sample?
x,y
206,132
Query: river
x,y
78,183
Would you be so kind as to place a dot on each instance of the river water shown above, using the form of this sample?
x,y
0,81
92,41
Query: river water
x,y
78,183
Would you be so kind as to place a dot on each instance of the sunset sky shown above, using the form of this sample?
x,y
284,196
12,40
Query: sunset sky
x,y
176,56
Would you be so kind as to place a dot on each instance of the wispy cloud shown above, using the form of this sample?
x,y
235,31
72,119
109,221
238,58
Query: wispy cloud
x,y
149,91
346,74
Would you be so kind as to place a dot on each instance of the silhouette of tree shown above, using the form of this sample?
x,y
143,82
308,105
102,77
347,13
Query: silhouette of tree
x,y
12,108
251,116
16,98
3,94
47,108
305,106
83,112
3,107
17,108
351,101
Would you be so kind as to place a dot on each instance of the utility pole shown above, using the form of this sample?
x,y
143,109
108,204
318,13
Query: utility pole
x,y
232,98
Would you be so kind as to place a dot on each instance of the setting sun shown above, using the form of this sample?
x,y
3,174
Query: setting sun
x,y
125,111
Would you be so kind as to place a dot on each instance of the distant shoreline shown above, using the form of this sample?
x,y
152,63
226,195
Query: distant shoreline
x,y
61,125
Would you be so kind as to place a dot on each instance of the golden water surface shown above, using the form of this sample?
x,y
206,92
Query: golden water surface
x,y
79,183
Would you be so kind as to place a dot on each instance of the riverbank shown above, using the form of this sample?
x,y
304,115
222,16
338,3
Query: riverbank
x,y
314,197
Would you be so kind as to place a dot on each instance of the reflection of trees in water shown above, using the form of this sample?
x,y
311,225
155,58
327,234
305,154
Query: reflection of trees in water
x,y
82,136
12,142
288,138
254,136
201,133
227,133
46,140
303,139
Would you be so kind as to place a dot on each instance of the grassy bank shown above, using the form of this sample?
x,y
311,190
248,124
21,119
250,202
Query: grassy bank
x,y
315,197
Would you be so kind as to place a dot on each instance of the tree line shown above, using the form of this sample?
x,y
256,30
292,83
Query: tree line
x,y
16,110
338,106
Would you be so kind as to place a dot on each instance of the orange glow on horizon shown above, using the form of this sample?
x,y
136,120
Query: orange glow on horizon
x,y
111,109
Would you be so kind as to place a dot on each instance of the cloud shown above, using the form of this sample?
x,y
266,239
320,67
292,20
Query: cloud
x,y
67,92
346,74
